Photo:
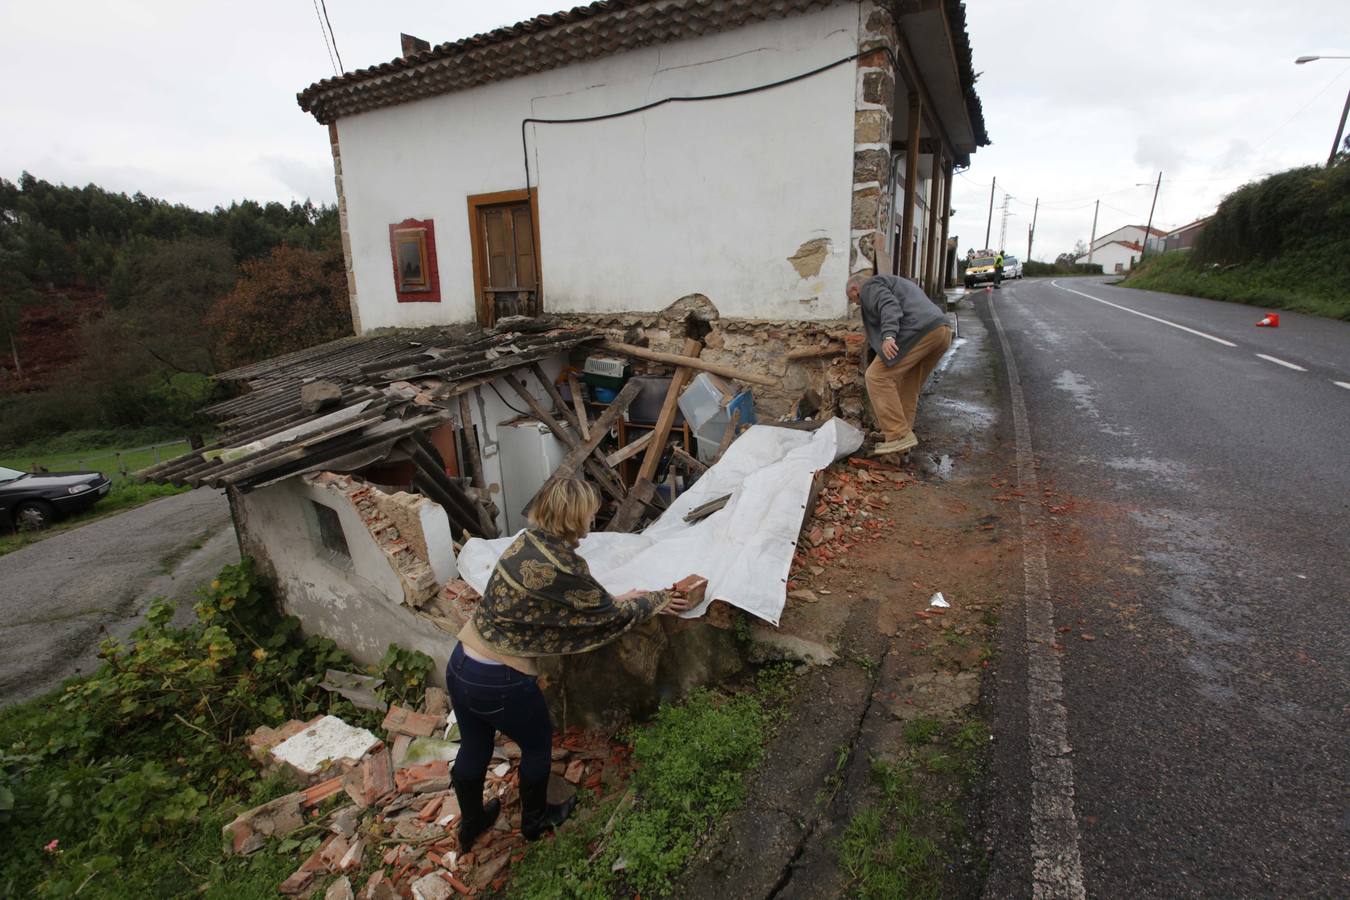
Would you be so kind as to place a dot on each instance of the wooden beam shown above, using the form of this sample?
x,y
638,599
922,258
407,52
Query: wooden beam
x,y
699,513
911,176
632,449
629,511
681,456
580,453
471,442
558,402
673,359
579,403
669,408
930,261
944,274
816,352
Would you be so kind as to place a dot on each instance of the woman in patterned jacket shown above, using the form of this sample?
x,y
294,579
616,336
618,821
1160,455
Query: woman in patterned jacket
x,y
540,601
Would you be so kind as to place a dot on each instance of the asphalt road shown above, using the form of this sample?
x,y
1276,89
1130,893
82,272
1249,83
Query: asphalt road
x,y
61,596
1195,511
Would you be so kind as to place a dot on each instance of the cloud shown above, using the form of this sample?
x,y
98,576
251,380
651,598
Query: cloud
x,y
304,178
1153,151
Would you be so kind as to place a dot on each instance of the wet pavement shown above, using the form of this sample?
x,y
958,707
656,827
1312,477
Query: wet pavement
x,y
1196,511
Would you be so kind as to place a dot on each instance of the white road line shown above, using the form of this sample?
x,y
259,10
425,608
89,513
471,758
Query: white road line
x,y
1280,362
1208,337
1342,384
1056,866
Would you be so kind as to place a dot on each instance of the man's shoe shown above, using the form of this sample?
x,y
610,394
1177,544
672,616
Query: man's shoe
x,y
474,817
908,441
537,815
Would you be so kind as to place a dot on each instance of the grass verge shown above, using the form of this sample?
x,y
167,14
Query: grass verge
x,y
912,840
691,765
1297,283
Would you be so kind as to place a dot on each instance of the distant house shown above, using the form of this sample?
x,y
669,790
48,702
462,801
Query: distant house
x,y
1132,234
1184,237
1114,256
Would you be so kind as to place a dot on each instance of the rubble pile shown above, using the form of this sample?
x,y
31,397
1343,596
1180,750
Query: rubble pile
x,y
385,808
849,510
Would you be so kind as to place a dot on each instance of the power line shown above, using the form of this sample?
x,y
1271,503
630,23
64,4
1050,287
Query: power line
x,y
331,36
324,35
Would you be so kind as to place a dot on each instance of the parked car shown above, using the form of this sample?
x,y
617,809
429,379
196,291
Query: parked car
x,y
980,270
37,499
1012,267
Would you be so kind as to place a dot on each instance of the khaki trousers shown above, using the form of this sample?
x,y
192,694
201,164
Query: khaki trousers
x,y
894,390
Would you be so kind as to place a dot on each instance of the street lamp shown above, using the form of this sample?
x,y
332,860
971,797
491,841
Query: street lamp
x,y
1340,129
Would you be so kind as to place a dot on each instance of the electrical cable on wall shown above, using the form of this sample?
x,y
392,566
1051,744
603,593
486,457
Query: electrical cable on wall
x,y
524,143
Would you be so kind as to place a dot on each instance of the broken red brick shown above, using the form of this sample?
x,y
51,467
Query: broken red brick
x,y
692,587
371,780
320,792
405,780
409,721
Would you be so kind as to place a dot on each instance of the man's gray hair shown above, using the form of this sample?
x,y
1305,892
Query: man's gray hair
x,y
857,279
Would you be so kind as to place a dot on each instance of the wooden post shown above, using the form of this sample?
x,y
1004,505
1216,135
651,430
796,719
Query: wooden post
x,y
675,359
471,442
945,274
630,510
911,176
934,190
583,421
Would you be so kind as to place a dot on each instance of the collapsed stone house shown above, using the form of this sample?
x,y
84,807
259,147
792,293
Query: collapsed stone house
x,y
696,177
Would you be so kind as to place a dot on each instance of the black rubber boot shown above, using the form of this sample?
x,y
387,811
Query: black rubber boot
x,y
537,815
474,817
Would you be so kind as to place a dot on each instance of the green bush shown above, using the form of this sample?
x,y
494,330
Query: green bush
x,y
1281,242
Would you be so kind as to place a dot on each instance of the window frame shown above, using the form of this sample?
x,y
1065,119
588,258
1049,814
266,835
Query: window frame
x,y
340,558
423,233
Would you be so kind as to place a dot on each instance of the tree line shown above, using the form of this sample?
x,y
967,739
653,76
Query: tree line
x,y
155,297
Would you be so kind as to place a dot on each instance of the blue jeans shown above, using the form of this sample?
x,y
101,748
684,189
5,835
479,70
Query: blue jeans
x,y
488,699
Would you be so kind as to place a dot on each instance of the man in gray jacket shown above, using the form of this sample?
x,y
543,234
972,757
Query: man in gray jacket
x,y
908,335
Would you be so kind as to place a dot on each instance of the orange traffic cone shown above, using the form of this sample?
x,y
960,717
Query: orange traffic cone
x,y
1272,320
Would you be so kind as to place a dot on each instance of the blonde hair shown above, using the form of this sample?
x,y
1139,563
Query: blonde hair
x,y
565,508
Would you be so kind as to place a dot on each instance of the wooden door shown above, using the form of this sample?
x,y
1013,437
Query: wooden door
x,y
505,258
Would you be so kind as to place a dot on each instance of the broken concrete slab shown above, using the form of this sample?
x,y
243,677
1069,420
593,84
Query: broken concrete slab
x,y
432,887
324,741
318,395
263,739
340,890
359,689
429,749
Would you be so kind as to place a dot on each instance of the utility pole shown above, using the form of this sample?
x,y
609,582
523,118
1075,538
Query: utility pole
x,y
989,224
1340,130
1003,227
1031,231
1148,229
1092,240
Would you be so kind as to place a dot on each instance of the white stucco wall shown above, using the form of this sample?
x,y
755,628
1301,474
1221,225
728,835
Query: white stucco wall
x,y
635,212
359,605
1109,256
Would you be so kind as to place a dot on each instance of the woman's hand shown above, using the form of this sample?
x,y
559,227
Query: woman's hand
x,y
679,603
630,596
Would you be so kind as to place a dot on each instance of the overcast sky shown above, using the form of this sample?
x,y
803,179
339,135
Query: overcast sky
x,y
195,102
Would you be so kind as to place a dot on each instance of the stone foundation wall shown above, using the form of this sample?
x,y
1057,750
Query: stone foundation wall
x,y
873,189
807,357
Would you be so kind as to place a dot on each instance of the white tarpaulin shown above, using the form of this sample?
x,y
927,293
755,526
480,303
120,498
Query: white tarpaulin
x,y
744,549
